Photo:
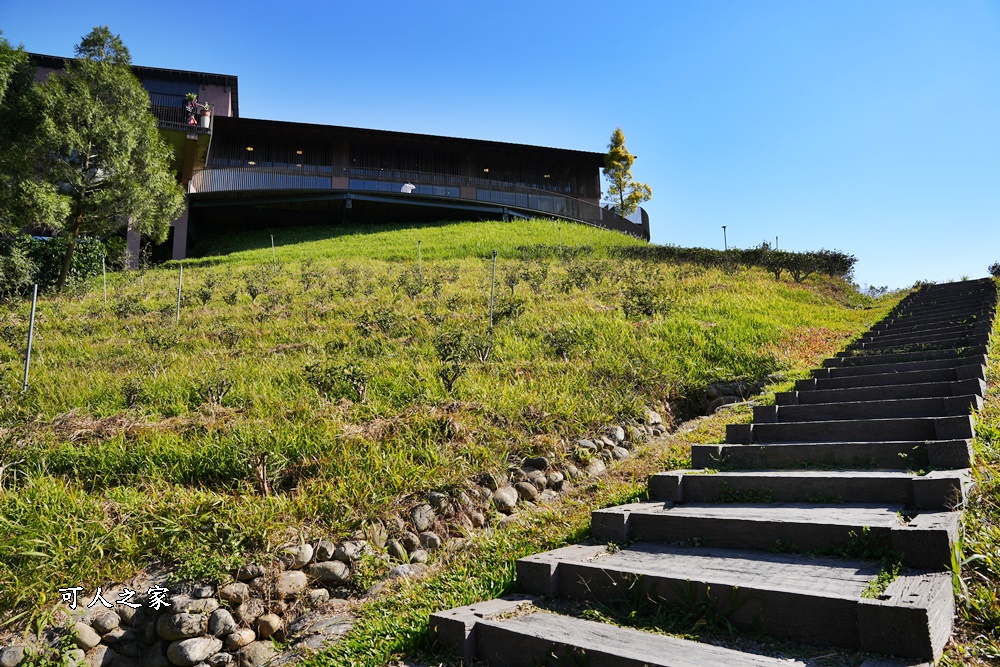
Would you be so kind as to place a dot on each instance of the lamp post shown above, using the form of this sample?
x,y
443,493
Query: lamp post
x,y
725,243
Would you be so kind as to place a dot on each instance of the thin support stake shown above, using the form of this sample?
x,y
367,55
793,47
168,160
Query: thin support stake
x,y
31,338
420,264
180,282
274,256
493,286
104,272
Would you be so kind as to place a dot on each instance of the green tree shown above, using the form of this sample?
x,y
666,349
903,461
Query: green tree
x,y
623,194
99,144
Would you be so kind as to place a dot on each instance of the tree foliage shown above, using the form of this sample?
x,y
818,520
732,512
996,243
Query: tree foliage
x,y
98,143
624,194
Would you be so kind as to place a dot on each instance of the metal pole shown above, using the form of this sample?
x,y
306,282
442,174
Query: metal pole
x,y
180,281
420,265
493,285
274,256
725,243
104,272
775,241
31,337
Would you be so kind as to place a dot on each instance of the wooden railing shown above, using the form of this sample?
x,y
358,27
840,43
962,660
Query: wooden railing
x,y
221,179
171,115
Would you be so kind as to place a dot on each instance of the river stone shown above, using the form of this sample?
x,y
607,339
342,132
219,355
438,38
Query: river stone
x,y
269,625
132,616
290,583
240,638
477,518
616,433
221,622
189,652
297,557
538,463
249,571
586,444
75,657
200,606
422,517
349,551
155,654
526,490
181,626
100,656
410,541
86,638
13,655
256,654
547,496
249,611
635,435
653,417
236,592
330,572
439,501
220,659
104,621
117,635
537,479
317,596
659,430
129,649
572,472
596,467
407,570
505,498
619,453
396,550
418,556
430,541
555,479
278,607
323,551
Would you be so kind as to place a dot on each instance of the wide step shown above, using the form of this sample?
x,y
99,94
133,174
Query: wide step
x,y
884,455
856,430
949,406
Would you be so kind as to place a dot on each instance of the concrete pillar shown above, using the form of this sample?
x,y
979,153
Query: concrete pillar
x,y
180,226
132,237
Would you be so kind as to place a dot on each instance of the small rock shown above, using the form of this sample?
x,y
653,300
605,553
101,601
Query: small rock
x,y
220,659
290,583
12,656
104,621
572,472
555,480
257,654
86,638
418,556
586,444
635,435
410,541
249,571
395,525
297,557
607,441
278,607
317,596
505,498
74,658
493,481
659,430
150,636
349,551
537,479
189,652
330,572
181,626
203,591
619,453
596,467
538,463
423,517
240,638
477,518
258,585
653,417
547,496
526,491
605,455
236,592
461,523
396,550
269,625
129,649
430,541
324,550
221,622
201,606
440,502
132,616
99,656
249,611
407,570
155,655
518,475
118,634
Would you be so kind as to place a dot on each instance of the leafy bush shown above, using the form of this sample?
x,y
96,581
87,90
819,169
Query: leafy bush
x,y
17,273
25,260
994,269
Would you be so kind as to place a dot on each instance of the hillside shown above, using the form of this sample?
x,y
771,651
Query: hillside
x,y
306,393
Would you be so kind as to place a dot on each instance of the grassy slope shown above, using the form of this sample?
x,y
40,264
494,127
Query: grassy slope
x,y
139,439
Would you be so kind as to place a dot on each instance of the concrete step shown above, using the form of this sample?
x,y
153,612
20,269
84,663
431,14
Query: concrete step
x,y
899,367
925,541
887,392
958,317
853,430
947,406
945,304
954,374
788,596
900,329
510,632
943,490
918,343
888,455
915,333
983,311
855,358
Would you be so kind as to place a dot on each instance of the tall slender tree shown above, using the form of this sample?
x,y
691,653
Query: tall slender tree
x,y
99,144
624,194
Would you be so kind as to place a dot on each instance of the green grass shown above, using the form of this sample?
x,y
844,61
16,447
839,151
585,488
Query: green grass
x,y
200,444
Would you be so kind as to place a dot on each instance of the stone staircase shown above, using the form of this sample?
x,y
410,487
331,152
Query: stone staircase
x,y
785,528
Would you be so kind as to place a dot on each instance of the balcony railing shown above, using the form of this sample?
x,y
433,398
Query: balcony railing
x,y
171,115
426,185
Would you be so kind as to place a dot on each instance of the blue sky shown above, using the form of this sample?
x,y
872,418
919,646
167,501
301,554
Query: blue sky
x,y
870,127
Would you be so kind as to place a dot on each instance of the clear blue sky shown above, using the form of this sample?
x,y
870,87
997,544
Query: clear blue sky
x,y
871,127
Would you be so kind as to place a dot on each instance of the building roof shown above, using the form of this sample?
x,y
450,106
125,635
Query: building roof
x,y
317,130
207,78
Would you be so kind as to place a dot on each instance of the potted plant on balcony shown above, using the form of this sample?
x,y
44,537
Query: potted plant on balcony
x,y
191,107
206,116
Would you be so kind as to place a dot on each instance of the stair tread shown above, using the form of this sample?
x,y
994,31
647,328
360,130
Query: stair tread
x,y
837,515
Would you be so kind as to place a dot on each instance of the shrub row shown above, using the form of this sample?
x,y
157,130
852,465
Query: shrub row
x,y
799,265
26,260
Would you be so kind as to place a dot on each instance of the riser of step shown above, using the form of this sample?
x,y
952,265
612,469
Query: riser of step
x,y
945,307
949,406
898,367
925,542
866,359
806,600
501,633
927,334
857,430
935,328
960,317
942,490
967,372
924,343
939,455
884,393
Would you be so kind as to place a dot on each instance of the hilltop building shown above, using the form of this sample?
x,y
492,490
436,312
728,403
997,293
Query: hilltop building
x,y
243,173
